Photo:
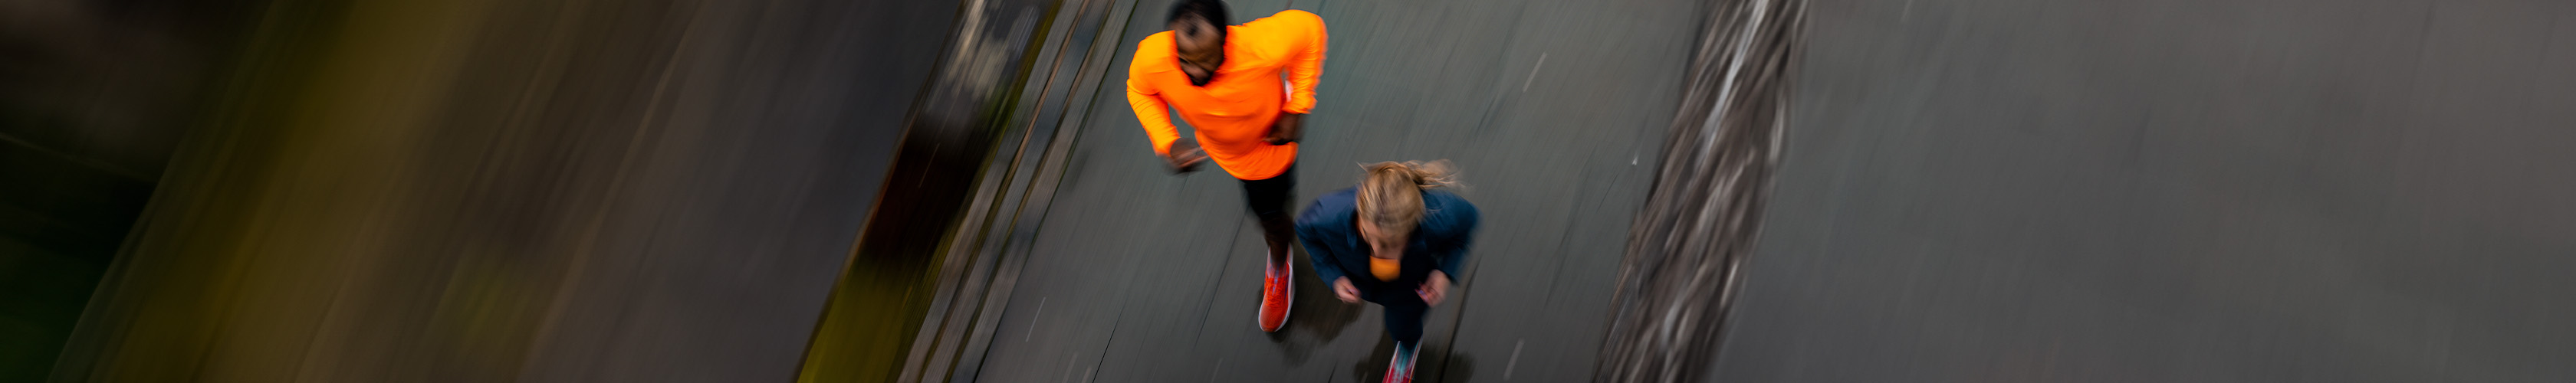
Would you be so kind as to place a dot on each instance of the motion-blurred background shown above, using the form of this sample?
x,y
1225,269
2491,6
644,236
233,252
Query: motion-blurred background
x,y
440,190
945,190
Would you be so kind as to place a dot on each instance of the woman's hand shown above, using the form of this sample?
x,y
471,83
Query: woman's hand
x,y
1435,288
1342,288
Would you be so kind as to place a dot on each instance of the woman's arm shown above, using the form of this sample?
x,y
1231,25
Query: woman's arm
x,y
1316,250
1454,230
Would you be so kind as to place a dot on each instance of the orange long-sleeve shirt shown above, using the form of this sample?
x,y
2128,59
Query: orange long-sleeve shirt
x,y
1234,111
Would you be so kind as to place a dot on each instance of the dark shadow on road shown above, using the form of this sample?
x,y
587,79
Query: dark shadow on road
x,y
1449,367
1318,318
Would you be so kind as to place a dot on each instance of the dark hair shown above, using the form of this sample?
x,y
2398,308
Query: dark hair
x,y
1211,10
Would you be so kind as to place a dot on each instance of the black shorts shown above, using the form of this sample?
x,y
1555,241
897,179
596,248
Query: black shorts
x,y
1268,198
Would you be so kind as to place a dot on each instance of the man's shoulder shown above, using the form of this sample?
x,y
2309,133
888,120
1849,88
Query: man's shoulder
x,y
1286,23
1154,54
1292,18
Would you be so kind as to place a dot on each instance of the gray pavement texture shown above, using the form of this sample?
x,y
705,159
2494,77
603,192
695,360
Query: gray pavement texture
x,y
2171,191
1552,111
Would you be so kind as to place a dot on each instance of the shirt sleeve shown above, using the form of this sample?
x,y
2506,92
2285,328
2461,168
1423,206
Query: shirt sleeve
x,y
1322,255
1306,66
1153,113
1460,231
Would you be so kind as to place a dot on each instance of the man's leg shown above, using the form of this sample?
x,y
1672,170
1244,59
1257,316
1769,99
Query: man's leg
x,y
1268,200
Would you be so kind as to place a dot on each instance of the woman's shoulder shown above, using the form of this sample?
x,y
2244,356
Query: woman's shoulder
x,y
1331,207
1443,211
1443,199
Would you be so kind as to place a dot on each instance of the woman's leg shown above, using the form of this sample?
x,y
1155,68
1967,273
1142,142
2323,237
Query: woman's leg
x,y
1403,314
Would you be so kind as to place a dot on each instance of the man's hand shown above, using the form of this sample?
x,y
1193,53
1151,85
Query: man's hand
x,y
1185,160
1342,288
1435,288
1288,128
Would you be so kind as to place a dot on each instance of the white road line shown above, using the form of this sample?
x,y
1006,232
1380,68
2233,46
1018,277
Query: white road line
x,y
1542,62
1033,320
1068,367
1516,359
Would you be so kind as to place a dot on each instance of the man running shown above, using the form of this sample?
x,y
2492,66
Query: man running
x,y
1226,80
1409,238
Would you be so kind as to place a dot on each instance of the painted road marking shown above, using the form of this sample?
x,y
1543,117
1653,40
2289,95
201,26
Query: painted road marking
x,y
1033,320
1068,368
1542,62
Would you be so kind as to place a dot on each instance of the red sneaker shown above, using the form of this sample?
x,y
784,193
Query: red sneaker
x,y
1278,288
1399,369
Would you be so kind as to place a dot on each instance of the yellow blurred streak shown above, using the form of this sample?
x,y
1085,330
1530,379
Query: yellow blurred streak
x,y
878,307
252,283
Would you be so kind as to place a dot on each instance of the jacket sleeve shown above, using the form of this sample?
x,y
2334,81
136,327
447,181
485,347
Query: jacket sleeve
x,y
1306,67
1460,230
1312,234
1153,113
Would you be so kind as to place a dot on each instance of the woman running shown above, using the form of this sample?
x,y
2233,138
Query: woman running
x,y
1393,240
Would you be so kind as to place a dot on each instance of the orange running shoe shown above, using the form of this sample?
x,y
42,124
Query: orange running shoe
x,y
1278,288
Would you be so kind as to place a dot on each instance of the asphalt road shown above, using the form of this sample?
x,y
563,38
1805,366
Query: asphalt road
x,y
1552,111
2171,191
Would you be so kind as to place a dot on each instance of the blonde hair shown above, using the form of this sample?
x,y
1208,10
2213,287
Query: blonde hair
x,y
1390,193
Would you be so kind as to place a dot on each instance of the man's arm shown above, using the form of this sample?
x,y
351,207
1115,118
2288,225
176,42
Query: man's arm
x,y
1307,67
1153,113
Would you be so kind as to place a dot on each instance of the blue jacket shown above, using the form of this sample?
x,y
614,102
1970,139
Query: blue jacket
x,y
1439,241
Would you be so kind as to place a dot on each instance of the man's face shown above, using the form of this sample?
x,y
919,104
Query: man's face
x,y
1201,48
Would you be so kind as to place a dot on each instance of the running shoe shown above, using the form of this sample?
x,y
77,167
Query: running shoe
x,y
1399,369
1278,288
